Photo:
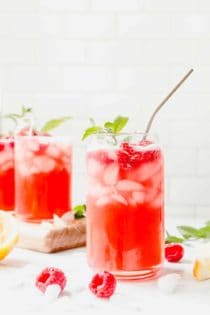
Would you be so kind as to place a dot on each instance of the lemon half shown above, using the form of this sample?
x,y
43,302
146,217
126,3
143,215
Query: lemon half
x,y
8,233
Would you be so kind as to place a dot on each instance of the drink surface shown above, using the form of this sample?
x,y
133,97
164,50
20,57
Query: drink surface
x,y
43,177
7,174
125,209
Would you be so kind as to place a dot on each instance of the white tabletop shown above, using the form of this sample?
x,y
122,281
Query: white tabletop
x,y
18,292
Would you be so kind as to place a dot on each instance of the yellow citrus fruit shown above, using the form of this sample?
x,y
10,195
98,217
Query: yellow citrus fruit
x,y
8,233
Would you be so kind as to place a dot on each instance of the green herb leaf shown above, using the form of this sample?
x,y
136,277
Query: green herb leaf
x,y
109,126
79,211
18,117
188,232
173,239
119,123
54,123
25,110
89,131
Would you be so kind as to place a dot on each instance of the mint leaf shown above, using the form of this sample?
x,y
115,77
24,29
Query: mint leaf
x,y
18,117
119,123
109,126
188,232
54,123
173,239
25,110
79,211
89,131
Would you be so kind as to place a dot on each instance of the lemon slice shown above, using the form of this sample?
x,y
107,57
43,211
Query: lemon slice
x,y
201,266
8,233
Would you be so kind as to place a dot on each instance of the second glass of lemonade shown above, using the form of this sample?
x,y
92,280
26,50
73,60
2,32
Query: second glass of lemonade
x,y
43,173
125,205
7,185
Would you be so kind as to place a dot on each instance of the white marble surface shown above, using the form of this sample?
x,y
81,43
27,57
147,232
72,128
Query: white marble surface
x,y
19,294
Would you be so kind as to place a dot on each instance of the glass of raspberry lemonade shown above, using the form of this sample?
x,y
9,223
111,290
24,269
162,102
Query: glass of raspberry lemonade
x,y
125,205
43,175
7,184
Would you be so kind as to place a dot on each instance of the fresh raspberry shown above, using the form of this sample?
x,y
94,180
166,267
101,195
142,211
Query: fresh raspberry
x,y
103,284
128,157
48,276
174,252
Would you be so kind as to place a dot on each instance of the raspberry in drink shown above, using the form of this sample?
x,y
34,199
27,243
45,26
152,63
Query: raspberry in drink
x,y
125,209
7,174
43,177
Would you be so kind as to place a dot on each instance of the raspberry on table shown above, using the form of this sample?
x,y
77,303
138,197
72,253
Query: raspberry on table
x,y
103,284
174,252
50,276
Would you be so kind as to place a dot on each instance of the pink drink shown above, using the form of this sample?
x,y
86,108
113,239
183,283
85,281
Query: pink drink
x,y
125,215
7,193
43,177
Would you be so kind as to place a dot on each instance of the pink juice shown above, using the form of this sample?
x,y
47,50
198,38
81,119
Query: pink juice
x,y
43,178
125,210
7,185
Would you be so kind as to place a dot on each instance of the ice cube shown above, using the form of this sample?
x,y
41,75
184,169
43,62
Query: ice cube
x,y
33,145
49,165
43,164
52,292
53,151
111,174
98,190
94,167
157,202
3,157
7,165
129,185
119,198
138,196
103,201
169,283
148,170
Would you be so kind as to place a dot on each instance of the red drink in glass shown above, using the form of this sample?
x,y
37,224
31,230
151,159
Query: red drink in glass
x,y
7,174
125,209
43,177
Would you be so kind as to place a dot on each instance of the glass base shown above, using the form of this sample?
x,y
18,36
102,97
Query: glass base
x,y
144,274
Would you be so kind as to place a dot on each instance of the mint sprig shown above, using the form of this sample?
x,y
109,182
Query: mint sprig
x,y
173,239
79,211
189,233
54,123
111,127
24,112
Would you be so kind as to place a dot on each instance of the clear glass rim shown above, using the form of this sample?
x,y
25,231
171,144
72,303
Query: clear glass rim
x,y
52,137
128,133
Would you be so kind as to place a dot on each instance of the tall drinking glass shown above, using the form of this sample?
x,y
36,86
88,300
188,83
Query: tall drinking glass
x,y
7,185
125,205
43,175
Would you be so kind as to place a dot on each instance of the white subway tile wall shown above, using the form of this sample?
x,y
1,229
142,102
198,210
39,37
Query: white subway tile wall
x,y
101,58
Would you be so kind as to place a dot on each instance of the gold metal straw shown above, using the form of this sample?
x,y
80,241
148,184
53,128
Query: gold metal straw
x,y
149,124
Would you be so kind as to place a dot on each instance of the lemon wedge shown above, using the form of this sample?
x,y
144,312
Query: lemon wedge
x,y
8,233
201,266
